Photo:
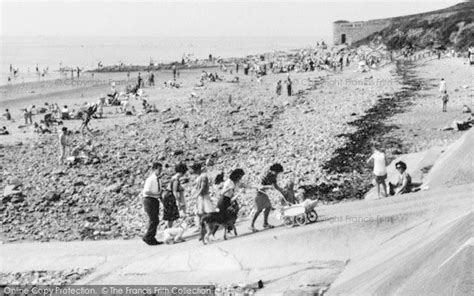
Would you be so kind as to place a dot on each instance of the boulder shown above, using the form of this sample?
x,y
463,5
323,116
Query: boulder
x,y
171,120
11,190
53,196
114,188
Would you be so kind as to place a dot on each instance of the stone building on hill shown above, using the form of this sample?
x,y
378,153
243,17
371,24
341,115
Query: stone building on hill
x,y
345,32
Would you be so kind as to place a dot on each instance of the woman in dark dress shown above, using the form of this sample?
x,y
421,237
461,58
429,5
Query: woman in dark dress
x,y
174,193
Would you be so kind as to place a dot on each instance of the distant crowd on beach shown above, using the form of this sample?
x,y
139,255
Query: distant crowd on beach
x,y
14,72
318,57
42,73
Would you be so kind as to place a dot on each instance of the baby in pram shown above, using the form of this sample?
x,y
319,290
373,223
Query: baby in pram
x,y
295,208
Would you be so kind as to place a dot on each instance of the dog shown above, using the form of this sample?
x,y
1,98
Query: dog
x,y
175,234
210,222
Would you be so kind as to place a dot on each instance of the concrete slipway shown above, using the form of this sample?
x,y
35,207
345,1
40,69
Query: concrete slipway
x,y
414,244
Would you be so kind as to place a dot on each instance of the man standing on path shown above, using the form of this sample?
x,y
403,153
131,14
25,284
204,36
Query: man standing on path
x,y
63,143
380,170
151,203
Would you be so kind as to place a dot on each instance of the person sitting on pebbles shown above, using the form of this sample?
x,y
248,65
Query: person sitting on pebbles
x,y
4,131
403,184
65,113
465,109
42,128
7,115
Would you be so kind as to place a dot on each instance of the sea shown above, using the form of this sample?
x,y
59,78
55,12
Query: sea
x,y
53,53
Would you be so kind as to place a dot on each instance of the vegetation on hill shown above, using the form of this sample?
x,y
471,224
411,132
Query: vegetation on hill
x,y
450,27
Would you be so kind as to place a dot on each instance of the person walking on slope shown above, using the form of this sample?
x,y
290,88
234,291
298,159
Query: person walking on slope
x,y
380,170
151,202
262,201
227,194
173,199
201,192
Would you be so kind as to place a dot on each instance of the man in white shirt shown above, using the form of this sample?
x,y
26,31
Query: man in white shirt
x,y
151,203
380,170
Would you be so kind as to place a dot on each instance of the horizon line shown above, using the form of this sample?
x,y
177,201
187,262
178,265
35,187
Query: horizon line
x,y
167,36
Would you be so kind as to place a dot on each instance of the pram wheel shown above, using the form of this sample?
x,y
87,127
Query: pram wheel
x,y
312,216
300,220
288,221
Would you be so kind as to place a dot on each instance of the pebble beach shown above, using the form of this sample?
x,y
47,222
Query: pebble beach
x,y
228,125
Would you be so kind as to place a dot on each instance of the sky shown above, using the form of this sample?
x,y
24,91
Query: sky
x,y
195,18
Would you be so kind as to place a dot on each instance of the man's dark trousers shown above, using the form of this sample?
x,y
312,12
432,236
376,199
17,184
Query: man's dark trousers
x,y
152,208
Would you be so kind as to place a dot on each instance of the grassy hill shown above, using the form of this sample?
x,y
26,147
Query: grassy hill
x,y
450,27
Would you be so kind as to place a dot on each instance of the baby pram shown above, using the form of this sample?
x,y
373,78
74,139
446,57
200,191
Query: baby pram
x,y
300,214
